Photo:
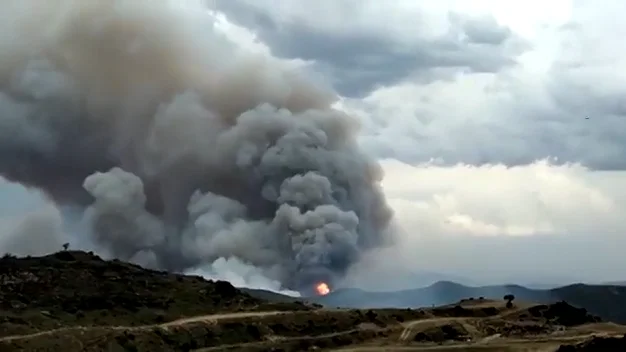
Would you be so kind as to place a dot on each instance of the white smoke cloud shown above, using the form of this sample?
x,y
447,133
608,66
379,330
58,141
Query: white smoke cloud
x,y
240,274
33,233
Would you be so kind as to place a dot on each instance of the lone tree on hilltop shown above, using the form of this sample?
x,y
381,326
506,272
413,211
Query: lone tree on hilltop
x,y
66,246
509,298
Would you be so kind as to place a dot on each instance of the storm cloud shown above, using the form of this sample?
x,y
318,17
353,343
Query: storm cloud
x,y
357,59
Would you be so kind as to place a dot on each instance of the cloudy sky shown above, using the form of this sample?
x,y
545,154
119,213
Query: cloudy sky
x,y
478,112
501,126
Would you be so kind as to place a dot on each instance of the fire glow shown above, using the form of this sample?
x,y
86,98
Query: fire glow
x,y
322,289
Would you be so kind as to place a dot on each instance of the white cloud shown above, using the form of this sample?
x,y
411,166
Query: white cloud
x,y
521,113
458,104
493,224
496,200
360,45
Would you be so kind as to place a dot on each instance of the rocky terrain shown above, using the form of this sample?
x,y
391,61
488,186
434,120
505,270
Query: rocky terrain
x,y
75,301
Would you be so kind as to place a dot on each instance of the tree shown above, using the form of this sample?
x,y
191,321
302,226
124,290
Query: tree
x,y
509,298
66,246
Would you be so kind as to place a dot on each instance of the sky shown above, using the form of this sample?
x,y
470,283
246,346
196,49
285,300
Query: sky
x,y
500,126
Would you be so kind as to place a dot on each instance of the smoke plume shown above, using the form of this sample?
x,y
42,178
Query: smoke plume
x,y
181,148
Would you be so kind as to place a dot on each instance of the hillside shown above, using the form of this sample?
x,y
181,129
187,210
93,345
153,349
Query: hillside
x,y
75,301
606,301
77,288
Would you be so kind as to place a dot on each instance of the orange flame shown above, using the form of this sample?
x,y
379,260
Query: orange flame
x,y
322,289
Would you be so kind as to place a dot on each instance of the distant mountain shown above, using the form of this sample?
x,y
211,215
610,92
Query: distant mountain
x,y
615,283
607,301
542,286
378,278
439,293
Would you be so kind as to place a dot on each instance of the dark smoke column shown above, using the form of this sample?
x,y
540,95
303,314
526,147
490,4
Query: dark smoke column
x,y
182,148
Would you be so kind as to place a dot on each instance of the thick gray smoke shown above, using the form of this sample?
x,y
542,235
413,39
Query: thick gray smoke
x,y
181,148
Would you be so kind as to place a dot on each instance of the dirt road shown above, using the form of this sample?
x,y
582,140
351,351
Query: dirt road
x,y
493,343
178,322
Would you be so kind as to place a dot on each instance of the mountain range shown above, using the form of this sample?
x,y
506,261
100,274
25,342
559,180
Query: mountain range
x,y
602,300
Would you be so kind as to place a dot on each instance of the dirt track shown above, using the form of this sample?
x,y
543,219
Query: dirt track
x,y
496,343
178,322
490,343
409,326
261,343
404,331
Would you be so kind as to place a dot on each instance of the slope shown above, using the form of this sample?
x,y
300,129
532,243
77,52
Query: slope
x,y
77,288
